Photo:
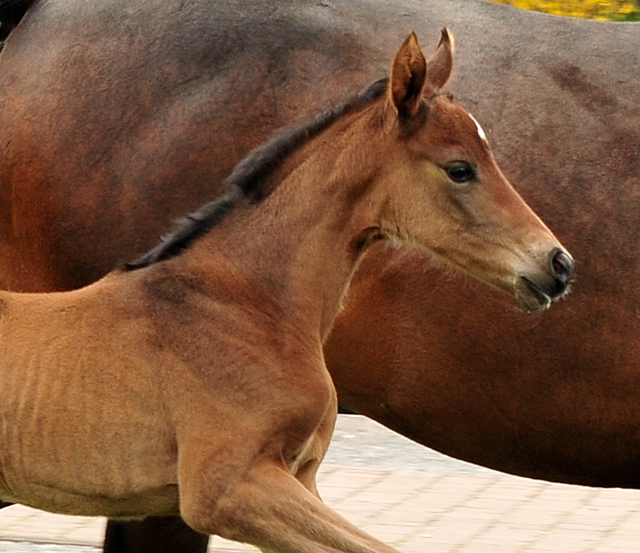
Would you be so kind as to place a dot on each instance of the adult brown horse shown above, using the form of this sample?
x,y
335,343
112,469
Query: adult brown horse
x,y
114,109
193,382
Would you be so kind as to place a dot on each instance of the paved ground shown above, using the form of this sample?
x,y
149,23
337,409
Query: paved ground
x,y
415,500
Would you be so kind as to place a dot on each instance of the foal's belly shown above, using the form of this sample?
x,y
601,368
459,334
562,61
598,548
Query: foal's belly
x,y
158,502
88,470
83,438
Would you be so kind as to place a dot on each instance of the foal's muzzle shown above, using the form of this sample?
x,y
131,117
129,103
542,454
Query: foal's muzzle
x,y
552,286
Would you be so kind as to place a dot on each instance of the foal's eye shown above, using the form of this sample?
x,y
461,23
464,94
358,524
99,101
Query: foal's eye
x,y
461,171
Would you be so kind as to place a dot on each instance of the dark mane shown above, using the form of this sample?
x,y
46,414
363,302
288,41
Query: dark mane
x,y
247,181
249,174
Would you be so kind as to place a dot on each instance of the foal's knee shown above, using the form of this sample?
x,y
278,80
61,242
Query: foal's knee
x,y
223,514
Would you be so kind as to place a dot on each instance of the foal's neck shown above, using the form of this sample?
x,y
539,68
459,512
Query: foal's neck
x,y
299,248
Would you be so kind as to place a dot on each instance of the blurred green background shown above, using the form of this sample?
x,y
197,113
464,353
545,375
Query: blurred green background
x,y
614,10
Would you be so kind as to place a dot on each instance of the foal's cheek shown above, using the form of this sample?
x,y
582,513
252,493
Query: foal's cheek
x,y
427,185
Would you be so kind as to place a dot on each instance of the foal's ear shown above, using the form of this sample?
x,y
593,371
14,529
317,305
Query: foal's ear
x,y
440,63
408,76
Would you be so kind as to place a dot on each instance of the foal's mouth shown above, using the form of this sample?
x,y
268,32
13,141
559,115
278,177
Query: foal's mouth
x,y
537,300
539,292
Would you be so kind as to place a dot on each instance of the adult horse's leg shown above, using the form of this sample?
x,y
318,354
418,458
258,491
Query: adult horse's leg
x,y
153,535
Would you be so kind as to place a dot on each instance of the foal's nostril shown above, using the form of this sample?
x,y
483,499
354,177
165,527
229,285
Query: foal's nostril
x,y
561,264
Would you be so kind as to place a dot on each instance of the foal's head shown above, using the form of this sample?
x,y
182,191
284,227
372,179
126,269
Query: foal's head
x,y
449,196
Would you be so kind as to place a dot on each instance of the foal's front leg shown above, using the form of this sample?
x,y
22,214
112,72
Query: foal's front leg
x,y
272,510
265,502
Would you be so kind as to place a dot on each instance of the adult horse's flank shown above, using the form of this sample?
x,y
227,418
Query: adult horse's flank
x,y
193,381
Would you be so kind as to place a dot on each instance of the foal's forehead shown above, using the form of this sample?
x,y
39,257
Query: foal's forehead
x,y
459,124
472,124
480,130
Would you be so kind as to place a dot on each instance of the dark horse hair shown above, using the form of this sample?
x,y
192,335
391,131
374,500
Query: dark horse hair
x,y
247,181
11,12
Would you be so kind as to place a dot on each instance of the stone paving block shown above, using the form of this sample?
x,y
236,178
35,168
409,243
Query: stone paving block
x,y
452,530
378,500
502,484
396,517
515,534
409,514
504,505
616,497
630,527
567,493
352,477
564,507
534,517
406,482
568,540
484,545
468,513
602,520
617,545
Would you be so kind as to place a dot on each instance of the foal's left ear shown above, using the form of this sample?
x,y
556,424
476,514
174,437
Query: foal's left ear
x,y
412,76
408,76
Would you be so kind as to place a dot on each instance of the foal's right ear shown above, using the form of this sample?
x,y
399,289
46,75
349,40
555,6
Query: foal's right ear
x,y
440,63
408,76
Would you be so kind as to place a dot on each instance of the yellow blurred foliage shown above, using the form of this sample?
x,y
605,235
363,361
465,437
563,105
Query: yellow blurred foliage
x,y
593,9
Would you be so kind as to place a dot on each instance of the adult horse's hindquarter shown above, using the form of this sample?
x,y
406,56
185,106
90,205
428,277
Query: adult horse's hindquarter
x,y
208,349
